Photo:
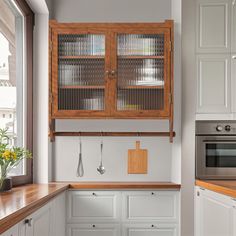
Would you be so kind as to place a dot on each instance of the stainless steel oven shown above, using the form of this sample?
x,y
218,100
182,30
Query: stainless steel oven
x,y
216,149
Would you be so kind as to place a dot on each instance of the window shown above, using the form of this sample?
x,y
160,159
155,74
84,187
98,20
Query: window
x,y
16,36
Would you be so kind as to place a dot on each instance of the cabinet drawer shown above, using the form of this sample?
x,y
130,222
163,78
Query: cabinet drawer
x,y
93,230
147,205
149,229
93,206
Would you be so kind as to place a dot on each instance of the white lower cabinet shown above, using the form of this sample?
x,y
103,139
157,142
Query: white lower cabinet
x,y
123,213
98,206
150,205
151,229
48,220
39,223
214,214
12,231
93,230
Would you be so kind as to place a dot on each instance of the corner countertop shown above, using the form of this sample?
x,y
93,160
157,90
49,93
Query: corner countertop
x,y
226,187
20,202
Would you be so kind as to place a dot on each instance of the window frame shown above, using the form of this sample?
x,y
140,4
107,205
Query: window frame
x,y
29,25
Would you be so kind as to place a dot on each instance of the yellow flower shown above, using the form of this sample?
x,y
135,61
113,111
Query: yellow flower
x,y
14,155
6,155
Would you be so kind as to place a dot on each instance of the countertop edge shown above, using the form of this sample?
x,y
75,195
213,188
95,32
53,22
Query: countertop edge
x,y
122,185
216,188
10,220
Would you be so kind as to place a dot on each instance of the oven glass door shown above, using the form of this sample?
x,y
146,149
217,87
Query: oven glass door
x,y
216,157
220,154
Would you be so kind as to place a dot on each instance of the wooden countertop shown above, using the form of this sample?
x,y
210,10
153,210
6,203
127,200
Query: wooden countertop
x,y
124,185
226,187
20,202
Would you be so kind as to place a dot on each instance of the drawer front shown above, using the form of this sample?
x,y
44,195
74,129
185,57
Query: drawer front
x,y
93,230
87,206
150,229
147,205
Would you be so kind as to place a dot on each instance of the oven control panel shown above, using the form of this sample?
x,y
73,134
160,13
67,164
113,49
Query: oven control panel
x,y
215,127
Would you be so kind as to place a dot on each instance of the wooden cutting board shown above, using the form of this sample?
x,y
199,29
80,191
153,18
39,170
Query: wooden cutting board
x,y
137,160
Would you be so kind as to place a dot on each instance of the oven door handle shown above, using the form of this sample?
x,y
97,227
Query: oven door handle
x,y
219,141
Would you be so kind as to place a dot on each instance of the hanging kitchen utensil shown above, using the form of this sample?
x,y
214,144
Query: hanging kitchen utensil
x,y
137,160
80,167
101,168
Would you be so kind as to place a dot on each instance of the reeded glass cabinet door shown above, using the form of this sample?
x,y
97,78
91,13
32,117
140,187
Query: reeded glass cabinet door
x,y
143,84
81,66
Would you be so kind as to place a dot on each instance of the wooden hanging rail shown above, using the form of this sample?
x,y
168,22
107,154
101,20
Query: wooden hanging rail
x,y
118,134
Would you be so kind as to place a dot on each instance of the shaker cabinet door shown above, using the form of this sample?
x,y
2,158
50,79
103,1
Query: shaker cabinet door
x,y
11,232
213,26
39,223
214,214
233,27
150,229
93,206
93,230
213,83
233,79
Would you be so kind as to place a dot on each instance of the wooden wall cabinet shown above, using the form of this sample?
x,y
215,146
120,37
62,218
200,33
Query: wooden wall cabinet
x,y
111,70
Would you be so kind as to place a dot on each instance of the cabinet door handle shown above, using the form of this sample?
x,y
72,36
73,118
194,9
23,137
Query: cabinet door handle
x,y
28,222
234,56
113,73
107,72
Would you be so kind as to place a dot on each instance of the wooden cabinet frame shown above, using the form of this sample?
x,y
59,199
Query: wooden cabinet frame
x,y
111,30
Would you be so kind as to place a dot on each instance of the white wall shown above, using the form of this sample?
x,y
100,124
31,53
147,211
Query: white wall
x,y
40,89
111,10
189,89
161,155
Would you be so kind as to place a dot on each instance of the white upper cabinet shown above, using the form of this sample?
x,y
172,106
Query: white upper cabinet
x,y
213,83
233,42
213,26
233,76
214,214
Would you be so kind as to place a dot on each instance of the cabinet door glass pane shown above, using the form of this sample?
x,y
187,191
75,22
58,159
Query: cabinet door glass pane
x,y
140,72
81,68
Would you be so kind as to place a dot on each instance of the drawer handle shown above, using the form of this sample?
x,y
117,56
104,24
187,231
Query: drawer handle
x,y
28,222
152,226
153,193
94,226
94,194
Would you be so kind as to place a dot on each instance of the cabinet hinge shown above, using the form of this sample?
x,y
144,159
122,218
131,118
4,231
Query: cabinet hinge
x,y
170,98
